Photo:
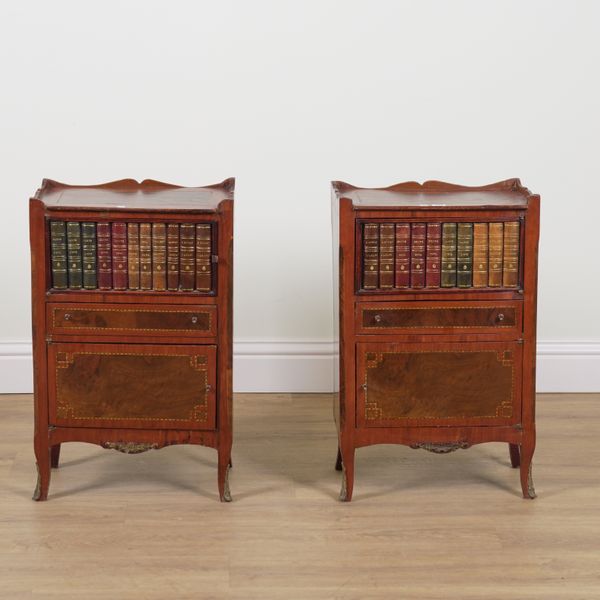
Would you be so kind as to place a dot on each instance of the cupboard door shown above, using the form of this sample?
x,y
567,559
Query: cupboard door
x,y
477,383
132,386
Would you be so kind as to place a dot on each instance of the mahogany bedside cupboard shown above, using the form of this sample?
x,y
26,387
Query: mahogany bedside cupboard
x,y
132,318
435,306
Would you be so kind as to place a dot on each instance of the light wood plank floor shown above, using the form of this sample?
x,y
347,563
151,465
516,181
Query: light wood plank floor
x,y
420,526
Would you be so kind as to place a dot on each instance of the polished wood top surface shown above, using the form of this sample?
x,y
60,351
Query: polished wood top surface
x,y
509,194
149,195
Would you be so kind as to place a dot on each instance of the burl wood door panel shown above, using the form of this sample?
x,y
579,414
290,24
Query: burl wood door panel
x,y
438,317
132,385
463,384
132,320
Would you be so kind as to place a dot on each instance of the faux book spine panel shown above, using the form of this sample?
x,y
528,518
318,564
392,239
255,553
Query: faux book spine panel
x,y
74,255
433,255
386,255
402,255
88,240
417,255
121,255
104,256
58,252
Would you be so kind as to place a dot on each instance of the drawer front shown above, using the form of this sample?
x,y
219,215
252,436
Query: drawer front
x,y
132,385
132,320
477,383
438,317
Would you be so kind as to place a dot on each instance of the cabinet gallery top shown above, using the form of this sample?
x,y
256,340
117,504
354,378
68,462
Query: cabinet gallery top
x,y
509,194
128,194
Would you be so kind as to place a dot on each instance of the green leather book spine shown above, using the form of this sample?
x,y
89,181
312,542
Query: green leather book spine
x,y
464,255
74,254
448,255
88,240
58,251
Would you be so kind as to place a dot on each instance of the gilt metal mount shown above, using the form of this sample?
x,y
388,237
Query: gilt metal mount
x,y
441,447
129,447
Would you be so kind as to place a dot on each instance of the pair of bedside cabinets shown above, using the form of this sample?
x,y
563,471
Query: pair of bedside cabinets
x,y
435,313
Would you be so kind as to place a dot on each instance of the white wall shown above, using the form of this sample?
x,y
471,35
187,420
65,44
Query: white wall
x,y
287,96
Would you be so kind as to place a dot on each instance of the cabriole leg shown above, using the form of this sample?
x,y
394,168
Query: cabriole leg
x,y
527,449
42,456
223,474
347,474
515,455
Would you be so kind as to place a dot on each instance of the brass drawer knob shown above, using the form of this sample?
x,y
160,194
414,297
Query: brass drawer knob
x,y
194,319
500,317
67,316
377,318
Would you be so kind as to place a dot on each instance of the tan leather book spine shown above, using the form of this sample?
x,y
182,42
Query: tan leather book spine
x,y
386,255
203,257
173,256
187,256
159,256
133,255
495,245
402,255
434,255
480,254
145,256
464,255
510,271
448,255
370,256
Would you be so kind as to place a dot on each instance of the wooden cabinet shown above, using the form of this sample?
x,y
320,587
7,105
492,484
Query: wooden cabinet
x,y
128,363
435,316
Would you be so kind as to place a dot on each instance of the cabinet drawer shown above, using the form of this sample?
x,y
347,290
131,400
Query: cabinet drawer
x,y
438,317
132,386
132,320
476,383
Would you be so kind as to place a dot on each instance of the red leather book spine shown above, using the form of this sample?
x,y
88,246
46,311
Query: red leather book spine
x,y
119,255
434,255
159,256
173,256
402,255
104,256
370,271
417,255
386,255
145,256
133,255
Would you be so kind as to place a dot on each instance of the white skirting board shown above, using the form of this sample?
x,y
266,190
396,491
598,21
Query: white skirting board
x,y
307,366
